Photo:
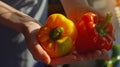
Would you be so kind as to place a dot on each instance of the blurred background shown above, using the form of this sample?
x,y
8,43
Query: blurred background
x,y
55,7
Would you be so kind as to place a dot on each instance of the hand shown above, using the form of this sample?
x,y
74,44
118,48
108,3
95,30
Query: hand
x,y
30,32
40,54
74,57
25,24
98,54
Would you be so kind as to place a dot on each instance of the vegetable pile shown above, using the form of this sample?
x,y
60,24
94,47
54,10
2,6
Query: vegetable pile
x,y
60,36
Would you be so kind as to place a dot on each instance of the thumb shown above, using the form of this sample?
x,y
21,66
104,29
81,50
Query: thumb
x,y
40,54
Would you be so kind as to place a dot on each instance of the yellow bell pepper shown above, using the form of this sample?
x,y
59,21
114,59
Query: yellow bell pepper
x,y
57,36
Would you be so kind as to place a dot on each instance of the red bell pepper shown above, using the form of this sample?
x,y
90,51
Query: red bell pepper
x,y
94,33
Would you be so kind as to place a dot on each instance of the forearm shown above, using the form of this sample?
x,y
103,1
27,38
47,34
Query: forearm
x,y
13,18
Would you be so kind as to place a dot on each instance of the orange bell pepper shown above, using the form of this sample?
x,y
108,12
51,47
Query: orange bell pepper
x,y
58,35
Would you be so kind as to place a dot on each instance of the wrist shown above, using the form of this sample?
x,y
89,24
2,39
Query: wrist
x,y
30,27
15,20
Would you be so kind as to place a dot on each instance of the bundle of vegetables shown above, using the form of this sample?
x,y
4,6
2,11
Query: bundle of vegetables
x,y
60,36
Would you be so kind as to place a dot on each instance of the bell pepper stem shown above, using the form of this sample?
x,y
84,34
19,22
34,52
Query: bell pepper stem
x,y
102,28
107,20
55,33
